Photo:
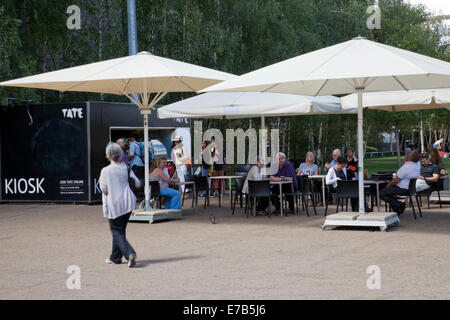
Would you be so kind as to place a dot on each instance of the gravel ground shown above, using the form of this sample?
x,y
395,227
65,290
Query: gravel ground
x,y
236,258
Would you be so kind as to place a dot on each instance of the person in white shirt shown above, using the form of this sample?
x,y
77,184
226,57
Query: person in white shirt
x,y
179,157
118,202
255,174
400,184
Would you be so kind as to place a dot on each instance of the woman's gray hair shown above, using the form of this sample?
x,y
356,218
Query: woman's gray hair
x,y
113,151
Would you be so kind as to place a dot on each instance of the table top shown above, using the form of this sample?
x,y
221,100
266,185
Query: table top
x,y
375,181
226,177
318,176
280,182
184,183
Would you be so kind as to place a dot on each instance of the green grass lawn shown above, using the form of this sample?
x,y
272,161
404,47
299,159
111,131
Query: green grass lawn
x,y
373,165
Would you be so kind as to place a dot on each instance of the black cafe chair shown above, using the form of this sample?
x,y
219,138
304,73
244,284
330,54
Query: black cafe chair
x,y
258,189
412,193
434,187
201,185
346,189
238,191
155,193
304,191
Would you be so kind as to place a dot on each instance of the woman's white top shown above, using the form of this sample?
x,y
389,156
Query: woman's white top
x,y
179,155
117,197
253,174
332,177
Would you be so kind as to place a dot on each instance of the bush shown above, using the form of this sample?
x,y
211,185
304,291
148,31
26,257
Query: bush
x,y
371,149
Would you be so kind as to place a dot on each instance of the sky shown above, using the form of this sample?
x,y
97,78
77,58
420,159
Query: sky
x,y
436,6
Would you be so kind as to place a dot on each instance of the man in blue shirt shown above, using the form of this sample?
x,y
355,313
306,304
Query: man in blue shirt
x,y
285,170
336,154
400,184
136,158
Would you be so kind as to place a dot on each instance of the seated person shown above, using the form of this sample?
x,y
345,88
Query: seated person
x,y
255,174
352,162
336,154
436,159
339,172
157,173
400,184
429,173
286,170
309,167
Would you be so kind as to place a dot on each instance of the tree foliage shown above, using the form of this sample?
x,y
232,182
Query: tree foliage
x,y
230,35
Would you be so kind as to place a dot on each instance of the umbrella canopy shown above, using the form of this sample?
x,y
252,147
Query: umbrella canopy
x,y
344,67
235,105
357,65
142,74
401,100
157,149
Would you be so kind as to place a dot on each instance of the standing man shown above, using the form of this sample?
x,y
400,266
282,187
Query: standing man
x,y
400,184
136,158
285,172
124,158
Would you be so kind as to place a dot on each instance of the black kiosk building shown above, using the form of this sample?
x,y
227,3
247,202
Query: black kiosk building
x,y
55,152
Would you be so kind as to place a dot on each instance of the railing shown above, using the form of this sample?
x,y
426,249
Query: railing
x,y
381,154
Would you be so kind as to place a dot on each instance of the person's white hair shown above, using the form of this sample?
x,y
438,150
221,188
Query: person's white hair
x,y
113,151
281,154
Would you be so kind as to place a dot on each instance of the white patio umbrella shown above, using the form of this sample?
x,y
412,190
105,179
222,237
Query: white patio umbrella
x,y
354,66
399,101
235,105
142,74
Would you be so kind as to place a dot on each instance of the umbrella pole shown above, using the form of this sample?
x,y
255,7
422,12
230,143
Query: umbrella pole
x,y
360,152
264,146
145,113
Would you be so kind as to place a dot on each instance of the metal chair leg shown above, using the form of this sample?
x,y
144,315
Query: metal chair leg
x,y
305,202
314,206
412,206
420,210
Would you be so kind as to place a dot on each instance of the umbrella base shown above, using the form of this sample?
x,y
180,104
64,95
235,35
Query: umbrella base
x,y
155,215
351,219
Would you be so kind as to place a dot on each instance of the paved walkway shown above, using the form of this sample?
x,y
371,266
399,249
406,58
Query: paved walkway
x,y
237,258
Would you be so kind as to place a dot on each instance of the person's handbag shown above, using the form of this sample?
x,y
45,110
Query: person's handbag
x,y
421,185
132,183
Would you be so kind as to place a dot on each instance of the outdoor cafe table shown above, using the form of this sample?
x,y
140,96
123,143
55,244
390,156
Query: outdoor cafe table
x,y
280,183
377,184
229,183
322,177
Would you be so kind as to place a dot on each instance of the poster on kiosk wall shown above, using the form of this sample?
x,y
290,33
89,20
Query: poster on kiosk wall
x,y
45,157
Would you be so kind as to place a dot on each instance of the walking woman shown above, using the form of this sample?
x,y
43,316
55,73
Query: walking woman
x,y
118,202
